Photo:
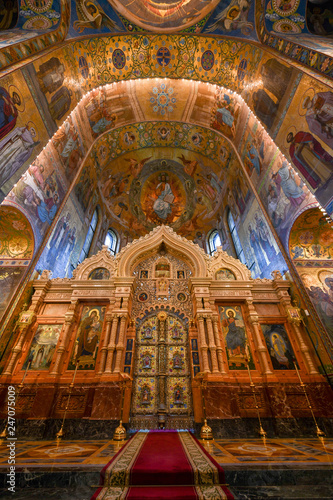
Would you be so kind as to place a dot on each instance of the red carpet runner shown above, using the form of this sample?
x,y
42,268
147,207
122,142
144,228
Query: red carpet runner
x,y
162,465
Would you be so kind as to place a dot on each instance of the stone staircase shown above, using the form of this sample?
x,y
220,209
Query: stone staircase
x,y
279,483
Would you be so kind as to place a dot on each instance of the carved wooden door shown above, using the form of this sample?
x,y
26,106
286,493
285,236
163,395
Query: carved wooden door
x,y
161,374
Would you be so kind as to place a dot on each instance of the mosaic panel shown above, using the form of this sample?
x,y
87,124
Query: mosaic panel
x,y
178,398
176,330
235,338
148,330
224,274
100,273
43,347
177,360
17,239
311,238
145,395
88,335
146,363
318,282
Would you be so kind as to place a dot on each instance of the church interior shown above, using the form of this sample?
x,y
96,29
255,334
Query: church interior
x,y
166,248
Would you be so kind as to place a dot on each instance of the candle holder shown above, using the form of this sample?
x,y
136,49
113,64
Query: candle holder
x,y
120,432
262,432
60,433
319,432
206,431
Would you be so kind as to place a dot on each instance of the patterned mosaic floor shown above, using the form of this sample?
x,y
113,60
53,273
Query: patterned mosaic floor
x,y
225,452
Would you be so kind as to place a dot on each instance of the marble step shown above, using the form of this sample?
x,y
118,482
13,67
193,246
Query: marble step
x,y
84,492
286,492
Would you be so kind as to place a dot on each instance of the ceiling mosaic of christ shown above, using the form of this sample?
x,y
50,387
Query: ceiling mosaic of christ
x,y
164,15
185,194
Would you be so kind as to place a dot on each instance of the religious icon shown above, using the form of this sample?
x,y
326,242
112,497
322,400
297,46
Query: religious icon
x,y
128,358
279,347
180,275
148,334
162,287
224,274
143,297
146,362
294,314
127,369
87,341
145,395
195,358
178,396
129,345
177,361
43,347
175,333
196,369
100,273
144,274
194,343
162,270
235,338
181,297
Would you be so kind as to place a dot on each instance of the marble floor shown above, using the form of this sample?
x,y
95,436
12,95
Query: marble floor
x,y
250,452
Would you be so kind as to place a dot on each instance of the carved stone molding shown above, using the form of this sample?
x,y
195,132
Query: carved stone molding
x,y
220,259
143,247
102,259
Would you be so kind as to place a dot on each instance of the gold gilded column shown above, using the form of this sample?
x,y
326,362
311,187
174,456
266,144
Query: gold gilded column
x,y
161,346
203,345
212,346
112,344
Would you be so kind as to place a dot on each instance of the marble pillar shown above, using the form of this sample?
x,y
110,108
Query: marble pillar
x,y
212,346
203,344
112,344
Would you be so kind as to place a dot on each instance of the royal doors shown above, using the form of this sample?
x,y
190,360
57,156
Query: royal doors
x,y
162,395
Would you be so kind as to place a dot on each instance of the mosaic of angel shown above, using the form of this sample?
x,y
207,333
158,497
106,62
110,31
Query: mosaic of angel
x,y
92,16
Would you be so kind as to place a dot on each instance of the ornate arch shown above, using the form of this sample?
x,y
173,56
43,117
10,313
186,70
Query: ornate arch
x,y
102,259
139,249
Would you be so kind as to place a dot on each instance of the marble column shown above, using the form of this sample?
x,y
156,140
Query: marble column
x,y
262,350
203,344
65,336
120,344
304,348
219,348
112,344
212,346
295,322
104,348
23,328
16,350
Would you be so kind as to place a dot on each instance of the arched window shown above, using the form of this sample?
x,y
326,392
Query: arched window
x,y
111,241
214,241
235,238
90,234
